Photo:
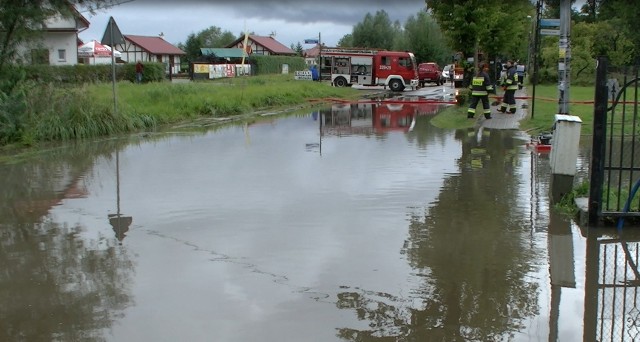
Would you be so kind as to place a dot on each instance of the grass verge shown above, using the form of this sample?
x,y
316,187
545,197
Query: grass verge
x,y
42,113
545,109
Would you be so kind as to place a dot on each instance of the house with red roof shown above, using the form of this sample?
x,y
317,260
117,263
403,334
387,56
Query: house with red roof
x,y
262,45
150,49
311,55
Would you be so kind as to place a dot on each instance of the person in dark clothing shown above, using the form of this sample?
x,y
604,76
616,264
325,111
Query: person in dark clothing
x,y
139,72
480,88
520,71
509,83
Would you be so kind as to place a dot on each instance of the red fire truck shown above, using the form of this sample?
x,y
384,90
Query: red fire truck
x,y
349,66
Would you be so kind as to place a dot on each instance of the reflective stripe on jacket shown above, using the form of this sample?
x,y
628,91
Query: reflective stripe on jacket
x,y
510,79
481,85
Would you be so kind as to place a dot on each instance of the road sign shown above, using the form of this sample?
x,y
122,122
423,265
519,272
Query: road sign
x,y
549,32
112,34
303,75
549,22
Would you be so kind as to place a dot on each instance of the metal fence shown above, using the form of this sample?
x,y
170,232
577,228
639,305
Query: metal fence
x,y
615,163
612,290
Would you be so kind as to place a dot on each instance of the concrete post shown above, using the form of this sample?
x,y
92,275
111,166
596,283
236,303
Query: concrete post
x,y
564,155
564,62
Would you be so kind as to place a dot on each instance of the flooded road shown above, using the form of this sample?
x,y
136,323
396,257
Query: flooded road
x,y
350,223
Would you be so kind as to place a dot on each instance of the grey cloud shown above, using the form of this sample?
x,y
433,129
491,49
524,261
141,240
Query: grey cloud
x,y
300,11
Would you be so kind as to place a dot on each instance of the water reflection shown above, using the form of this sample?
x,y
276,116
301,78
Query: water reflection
x,y
397,231
57,285
471,253
374,117
118,221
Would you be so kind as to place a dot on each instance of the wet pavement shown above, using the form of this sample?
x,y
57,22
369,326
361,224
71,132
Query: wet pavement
x,y
353,222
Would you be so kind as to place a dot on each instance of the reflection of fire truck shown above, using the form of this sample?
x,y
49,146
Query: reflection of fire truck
x,y
369,117
393,117
348,66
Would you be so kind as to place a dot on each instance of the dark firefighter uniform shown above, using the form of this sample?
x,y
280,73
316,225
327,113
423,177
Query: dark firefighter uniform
x,y
480,88
509,83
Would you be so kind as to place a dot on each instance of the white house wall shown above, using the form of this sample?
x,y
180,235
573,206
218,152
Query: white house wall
x,y
131,53
256,49
52,41
60,22
62,41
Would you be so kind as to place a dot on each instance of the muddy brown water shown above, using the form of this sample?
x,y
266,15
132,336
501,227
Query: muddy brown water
x,y
338,224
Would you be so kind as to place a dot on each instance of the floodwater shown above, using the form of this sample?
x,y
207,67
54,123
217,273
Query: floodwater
x,y
350,223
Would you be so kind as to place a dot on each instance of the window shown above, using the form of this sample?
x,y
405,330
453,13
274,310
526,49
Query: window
x,y
405,62
386,60
39,56
62,55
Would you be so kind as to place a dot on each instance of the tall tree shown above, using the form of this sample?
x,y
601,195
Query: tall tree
x,y
627,14
424,37
496,27
346,40
375,31
214,37
298,48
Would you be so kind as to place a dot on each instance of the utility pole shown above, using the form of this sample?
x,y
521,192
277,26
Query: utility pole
x,y
564,60
536,46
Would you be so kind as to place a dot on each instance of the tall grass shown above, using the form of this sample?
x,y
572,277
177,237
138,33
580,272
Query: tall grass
x,y
546,107
44,112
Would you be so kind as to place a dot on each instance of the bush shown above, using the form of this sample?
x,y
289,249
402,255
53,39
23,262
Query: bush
x,y
462,97
83,73
273,64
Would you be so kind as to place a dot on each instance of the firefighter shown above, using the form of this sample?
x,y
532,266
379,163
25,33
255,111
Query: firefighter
x,y
510,84
480,88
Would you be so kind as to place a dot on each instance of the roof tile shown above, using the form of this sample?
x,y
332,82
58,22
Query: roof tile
x,y
269,43
154,45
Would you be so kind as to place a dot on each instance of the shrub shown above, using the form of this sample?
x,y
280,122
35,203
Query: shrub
x,y
83,73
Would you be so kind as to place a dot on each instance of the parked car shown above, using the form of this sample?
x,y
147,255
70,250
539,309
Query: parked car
x,y
429,72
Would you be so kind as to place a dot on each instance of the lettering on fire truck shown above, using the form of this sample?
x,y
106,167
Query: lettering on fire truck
x,y
385,67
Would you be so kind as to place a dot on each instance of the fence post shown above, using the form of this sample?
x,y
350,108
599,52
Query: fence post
x,y
598,144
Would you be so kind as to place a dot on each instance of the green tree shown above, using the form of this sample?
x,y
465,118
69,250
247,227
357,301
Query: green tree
x,y
297,48
375,31
496,27
191,46
627,14
425,39
588,41
212,37
346,40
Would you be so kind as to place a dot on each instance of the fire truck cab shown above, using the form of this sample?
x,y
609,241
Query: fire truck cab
x,y
351,66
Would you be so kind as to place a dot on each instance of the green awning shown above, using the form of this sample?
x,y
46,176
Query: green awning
x,y
223,52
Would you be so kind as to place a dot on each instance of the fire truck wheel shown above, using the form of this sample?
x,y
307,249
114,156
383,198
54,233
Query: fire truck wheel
x,y
396,85
340,82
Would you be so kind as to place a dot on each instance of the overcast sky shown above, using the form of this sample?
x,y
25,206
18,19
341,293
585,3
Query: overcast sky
x,y
292,21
